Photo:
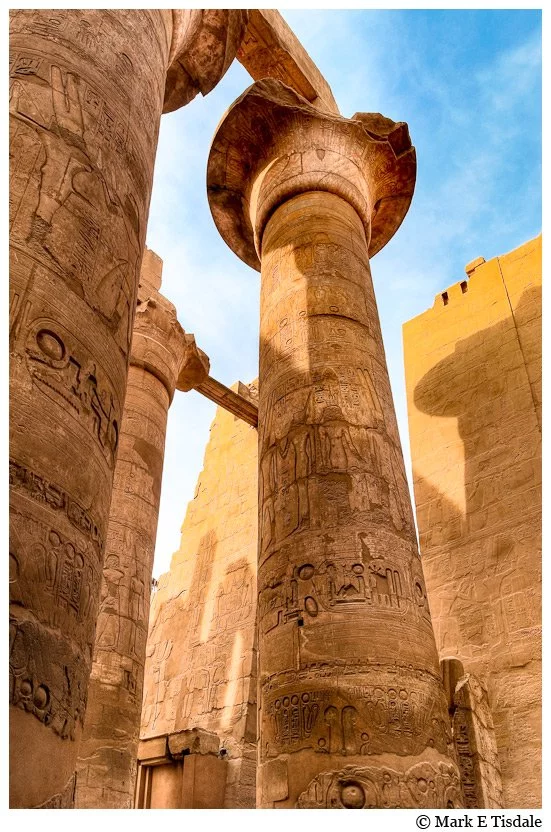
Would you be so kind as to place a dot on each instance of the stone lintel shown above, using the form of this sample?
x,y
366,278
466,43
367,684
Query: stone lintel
x,y
270,49
193,741
241,407
182,770
156,751
153,751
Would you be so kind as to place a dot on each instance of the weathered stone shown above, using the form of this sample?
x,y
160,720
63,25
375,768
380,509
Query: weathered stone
x,y
270,49
151,272
272,122
84,118
242,406
473,375
423,786
154,750
82,167
204,43
195,369
475,745
201,655
348,667
192,781
159,355
473,265
193,741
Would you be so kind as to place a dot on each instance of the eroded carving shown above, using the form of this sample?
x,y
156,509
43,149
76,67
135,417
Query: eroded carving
x,y
41,683
382,718
423,786
61,367
50,494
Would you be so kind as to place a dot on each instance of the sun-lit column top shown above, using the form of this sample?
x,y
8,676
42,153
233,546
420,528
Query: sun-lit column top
x,y
272,144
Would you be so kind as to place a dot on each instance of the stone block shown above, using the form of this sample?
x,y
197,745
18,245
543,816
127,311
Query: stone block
x,y
474,264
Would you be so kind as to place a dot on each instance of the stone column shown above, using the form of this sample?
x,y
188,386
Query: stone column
x,y
352,708
161,353
87,89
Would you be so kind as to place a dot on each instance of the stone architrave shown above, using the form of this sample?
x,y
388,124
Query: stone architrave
x,y
352,712
87,89
161,352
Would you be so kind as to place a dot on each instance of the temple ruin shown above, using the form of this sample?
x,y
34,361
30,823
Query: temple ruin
x,y
291,659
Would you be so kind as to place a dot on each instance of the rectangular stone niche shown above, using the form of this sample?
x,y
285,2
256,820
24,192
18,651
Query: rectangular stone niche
x,y
183,770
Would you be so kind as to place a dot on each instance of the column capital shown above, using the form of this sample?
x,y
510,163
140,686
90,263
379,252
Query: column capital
x,y
204,44
272,144
162,347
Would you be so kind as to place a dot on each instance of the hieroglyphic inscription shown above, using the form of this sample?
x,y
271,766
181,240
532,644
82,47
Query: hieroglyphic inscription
x,y
327,459
46,492
81,168
423,786
382,719
42,683
330,584
55,576
61,367
339,575
64,203
475,744
466,763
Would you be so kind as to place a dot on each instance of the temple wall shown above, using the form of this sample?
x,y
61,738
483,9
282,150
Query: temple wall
x,y
201,658
473,376
473,368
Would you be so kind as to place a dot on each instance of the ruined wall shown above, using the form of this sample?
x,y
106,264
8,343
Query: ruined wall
x,y
473,374
201,657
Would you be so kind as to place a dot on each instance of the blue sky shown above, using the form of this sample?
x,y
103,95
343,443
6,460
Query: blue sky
x,y
468,82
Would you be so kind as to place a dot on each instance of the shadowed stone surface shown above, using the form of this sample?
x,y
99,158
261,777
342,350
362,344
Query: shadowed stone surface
x,y
85,106
161,351
201,651
204,44
475,744
352,710
473,375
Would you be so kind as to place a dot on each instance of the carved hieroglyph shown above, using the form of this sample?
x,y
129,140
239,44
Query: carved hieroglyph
x,y
475,744
348,672
473,376
161,351
86,94
201,652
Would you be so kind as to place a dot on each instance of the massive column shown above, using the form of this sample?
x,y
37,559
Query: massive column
x,y
352,708
161,353
87,89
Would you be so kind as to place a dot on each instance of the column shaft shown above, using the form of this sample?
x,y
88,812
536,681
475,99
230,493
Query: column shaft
x,y
162,356
86,94
352,711
108,754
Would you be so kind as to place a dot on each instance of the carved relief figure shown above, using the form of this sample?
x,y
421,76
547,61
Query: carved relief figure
x,y
110,608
